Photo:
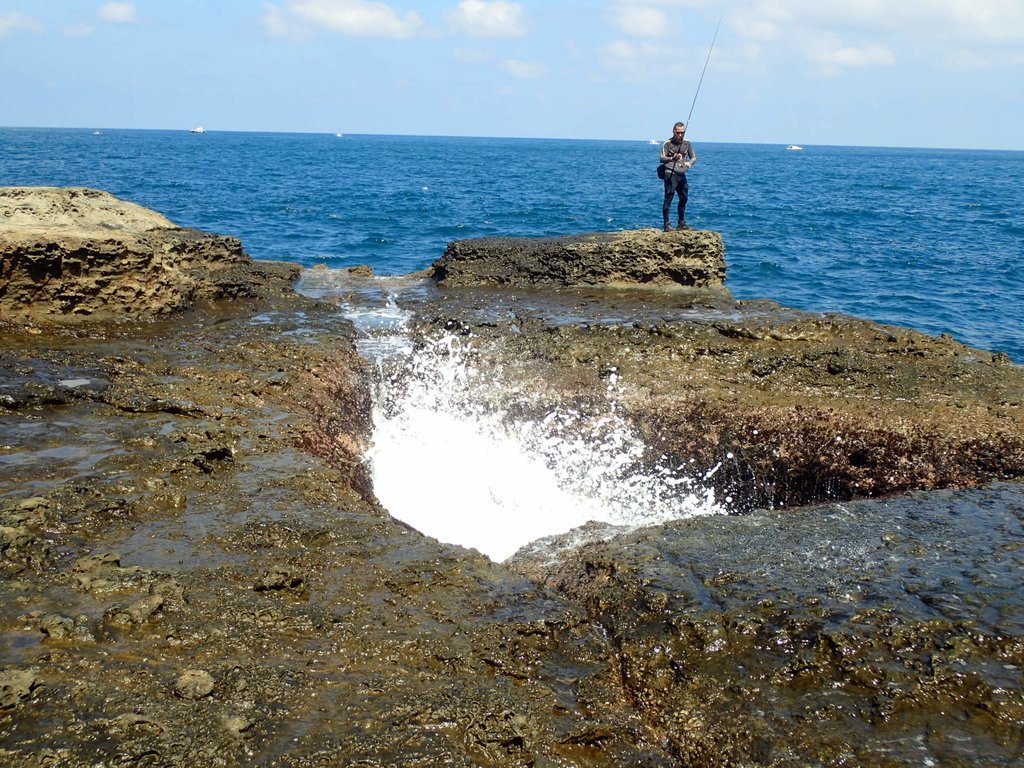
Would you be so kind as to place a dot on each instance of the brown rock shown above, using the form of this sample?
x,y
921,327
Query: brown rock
x,y
194,684
16,685
645,257
74,253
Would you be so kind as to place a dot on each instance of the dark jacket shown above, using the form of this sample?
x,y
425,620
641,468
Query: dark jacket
x,y
670,149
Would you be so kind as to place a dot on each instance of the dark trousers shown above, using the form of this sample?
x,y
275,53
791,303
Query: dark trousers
x,y
675,184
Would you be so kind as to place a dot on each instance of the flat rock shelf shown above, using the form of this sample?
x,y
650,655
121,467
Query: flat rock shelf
x,y
196,568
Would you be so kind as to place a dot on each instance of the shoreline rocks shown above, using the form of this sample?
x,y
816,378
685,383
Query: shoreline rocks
x,y
76,254
770,408
833,635
646,257
195,568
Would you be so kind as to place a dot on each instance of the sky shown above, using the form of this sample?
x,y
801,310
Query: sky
x,y
910,73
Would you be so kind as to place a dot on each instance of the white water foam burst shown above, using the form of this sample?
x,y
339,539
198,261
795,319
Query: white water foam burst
x,y
452,464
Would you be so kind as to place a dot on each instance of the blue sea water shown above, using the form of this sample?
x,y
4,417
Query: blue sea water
x,y
931,239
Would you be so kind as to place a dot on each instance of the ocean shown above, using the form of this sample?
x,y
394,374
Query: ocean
x,y
930,239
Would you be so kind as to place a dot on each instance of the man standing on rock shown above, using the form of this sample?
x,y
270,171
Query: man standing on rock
x,y
678,157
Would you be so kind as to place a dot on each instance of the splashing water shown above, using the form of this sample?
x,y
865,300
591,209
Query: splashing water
x,y
451,462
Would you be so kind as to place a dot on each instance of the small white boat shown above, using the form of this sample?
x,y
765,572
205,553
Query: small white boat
x,y
339,134
96,133
794,148
654,141
198,129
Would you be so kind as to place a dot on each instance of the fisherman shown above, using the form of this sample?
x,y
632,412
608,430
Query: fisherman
x,y
678,157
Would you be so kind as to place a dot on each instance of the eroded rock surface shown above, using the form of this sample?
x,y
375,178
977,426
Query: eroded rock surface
x,y
195,568
767,406
69,254
195,571
649,257
855,634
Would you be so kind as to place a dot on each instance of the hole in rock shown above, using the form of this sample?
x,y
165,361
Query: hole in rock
x,y
452,461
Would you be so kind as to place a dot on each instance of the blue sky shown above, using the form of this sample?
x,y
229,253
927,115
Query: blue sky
x,y
924,73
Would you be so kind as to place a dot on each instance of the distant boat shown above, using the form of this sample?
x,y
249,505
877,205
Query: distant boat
x,y
198,129
654,141
794,147
96,133
339,134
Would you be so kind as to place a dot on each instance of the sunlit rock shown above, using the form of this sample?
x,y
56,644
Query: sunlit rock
x,y
75,253
643,257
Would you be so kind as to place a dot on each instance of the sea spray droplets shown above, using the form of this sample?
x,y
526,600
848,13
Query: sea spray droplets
x,y
450,460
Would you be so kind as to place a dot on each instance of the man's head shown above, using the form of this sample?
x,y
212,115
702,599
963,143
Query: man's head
x,y
678,130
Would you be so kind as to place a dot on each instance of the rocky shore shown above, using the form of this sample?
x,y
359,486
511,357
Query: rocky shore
x,y
67,254
196,568
694,259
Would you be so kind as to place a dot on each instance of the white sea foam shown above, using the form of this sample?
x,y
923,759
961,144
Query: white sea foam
x,y
451,463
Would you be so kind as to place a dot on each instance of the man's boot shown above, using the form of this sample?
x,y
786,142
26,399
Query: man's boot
x,y
667,227
683,225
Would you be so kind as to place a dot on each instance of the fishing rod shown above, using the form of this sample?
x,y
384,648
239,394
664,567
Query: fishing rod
x,y
703,71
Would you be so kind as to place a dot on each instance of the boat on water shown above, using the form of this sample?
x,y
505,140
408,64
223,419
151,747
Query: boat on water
x,y
654,141
198,129
97,133
794,147
339,134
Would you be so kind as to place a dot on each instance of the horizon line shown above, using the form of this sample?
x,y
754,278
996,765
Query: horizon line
x,y
514,138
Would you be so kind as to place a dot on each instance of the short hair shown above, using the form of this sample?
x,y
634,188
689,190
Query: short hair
x,y
678,125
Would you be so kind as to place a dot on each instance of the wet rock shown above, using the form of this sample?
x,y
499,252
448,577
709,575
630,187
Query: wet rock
x,y
103,572
170,592
57,627
132,721
14,540
194,684
328,633
21,546
844,632
16,687
371,644
207,450
362,270
32,511
643,257
769,408
279,579
238,724
138,612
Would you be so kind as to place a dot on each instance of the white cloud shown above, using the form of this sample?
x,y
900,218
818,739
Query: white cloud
x,y
358,18
635,60
275,21
523,69
966,61
757,29
858,33
977,20
478,18
14,21
626,51
641,20
118,13
836,55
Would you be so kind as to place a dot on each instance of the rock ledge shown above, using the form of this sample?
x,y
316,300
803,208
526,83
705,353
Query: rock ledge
x,y
643,257
77,253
